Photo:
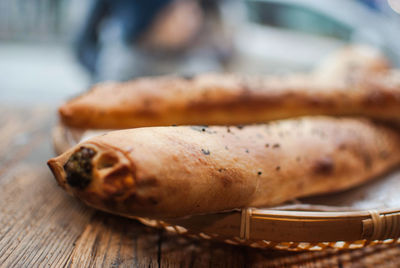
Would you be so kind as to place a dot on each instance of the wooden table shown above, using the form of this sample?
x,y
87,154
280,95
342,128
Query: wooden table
x,y
40,225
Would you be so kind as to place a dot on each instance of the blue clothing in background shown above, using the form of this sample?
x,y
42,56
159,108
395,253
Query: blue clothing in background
x,y
372,4
132,17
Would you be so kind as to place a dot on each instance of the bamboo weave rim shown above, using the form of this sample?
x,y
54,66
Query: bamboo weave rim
x,y
377,228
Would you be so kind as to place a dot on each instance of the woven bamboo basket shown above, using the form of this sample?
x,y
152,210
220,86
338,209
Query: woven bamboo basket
x,y
367,215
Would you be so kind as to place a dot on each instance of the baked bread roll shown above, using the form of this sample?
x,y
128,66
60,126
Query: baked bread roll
x,y
214,99
167,172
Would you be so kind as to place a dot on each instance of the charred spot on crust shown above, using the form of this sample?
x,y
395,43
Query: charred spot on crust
x,y
79,168
324,166
187,76
205,152
203,129
153,200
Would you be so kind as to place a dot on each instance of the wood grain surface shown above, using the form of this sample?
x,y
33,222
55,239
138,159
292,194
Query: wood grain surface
x,y
42,226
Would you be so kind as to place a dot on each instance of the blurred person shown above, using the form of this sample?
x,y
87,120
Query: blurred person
x,y
123,39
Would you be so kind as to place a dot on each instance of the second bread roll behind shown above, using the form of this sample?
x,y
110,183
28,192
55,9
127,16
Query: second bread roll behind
x,y
230,99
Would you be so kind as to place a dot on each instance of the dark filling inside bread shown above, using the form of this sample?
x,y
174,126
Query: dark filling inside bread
x,y
79,168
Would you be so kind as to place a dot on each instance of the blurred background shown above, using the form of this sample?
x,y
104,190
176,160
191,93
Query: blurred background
x,y
53,49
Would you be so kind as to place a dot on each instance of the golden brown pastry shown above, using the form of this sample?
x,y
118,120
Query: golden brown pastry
x,y
230,99
165,172
130,108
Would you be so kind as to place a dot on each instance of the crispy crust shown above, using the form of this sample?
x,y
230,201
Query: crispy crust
x,y
230,99
345,83
166,172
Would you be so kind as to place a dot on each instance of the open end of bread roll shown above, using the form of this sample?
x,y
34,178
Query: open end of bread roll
x,y
79,168
94,173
